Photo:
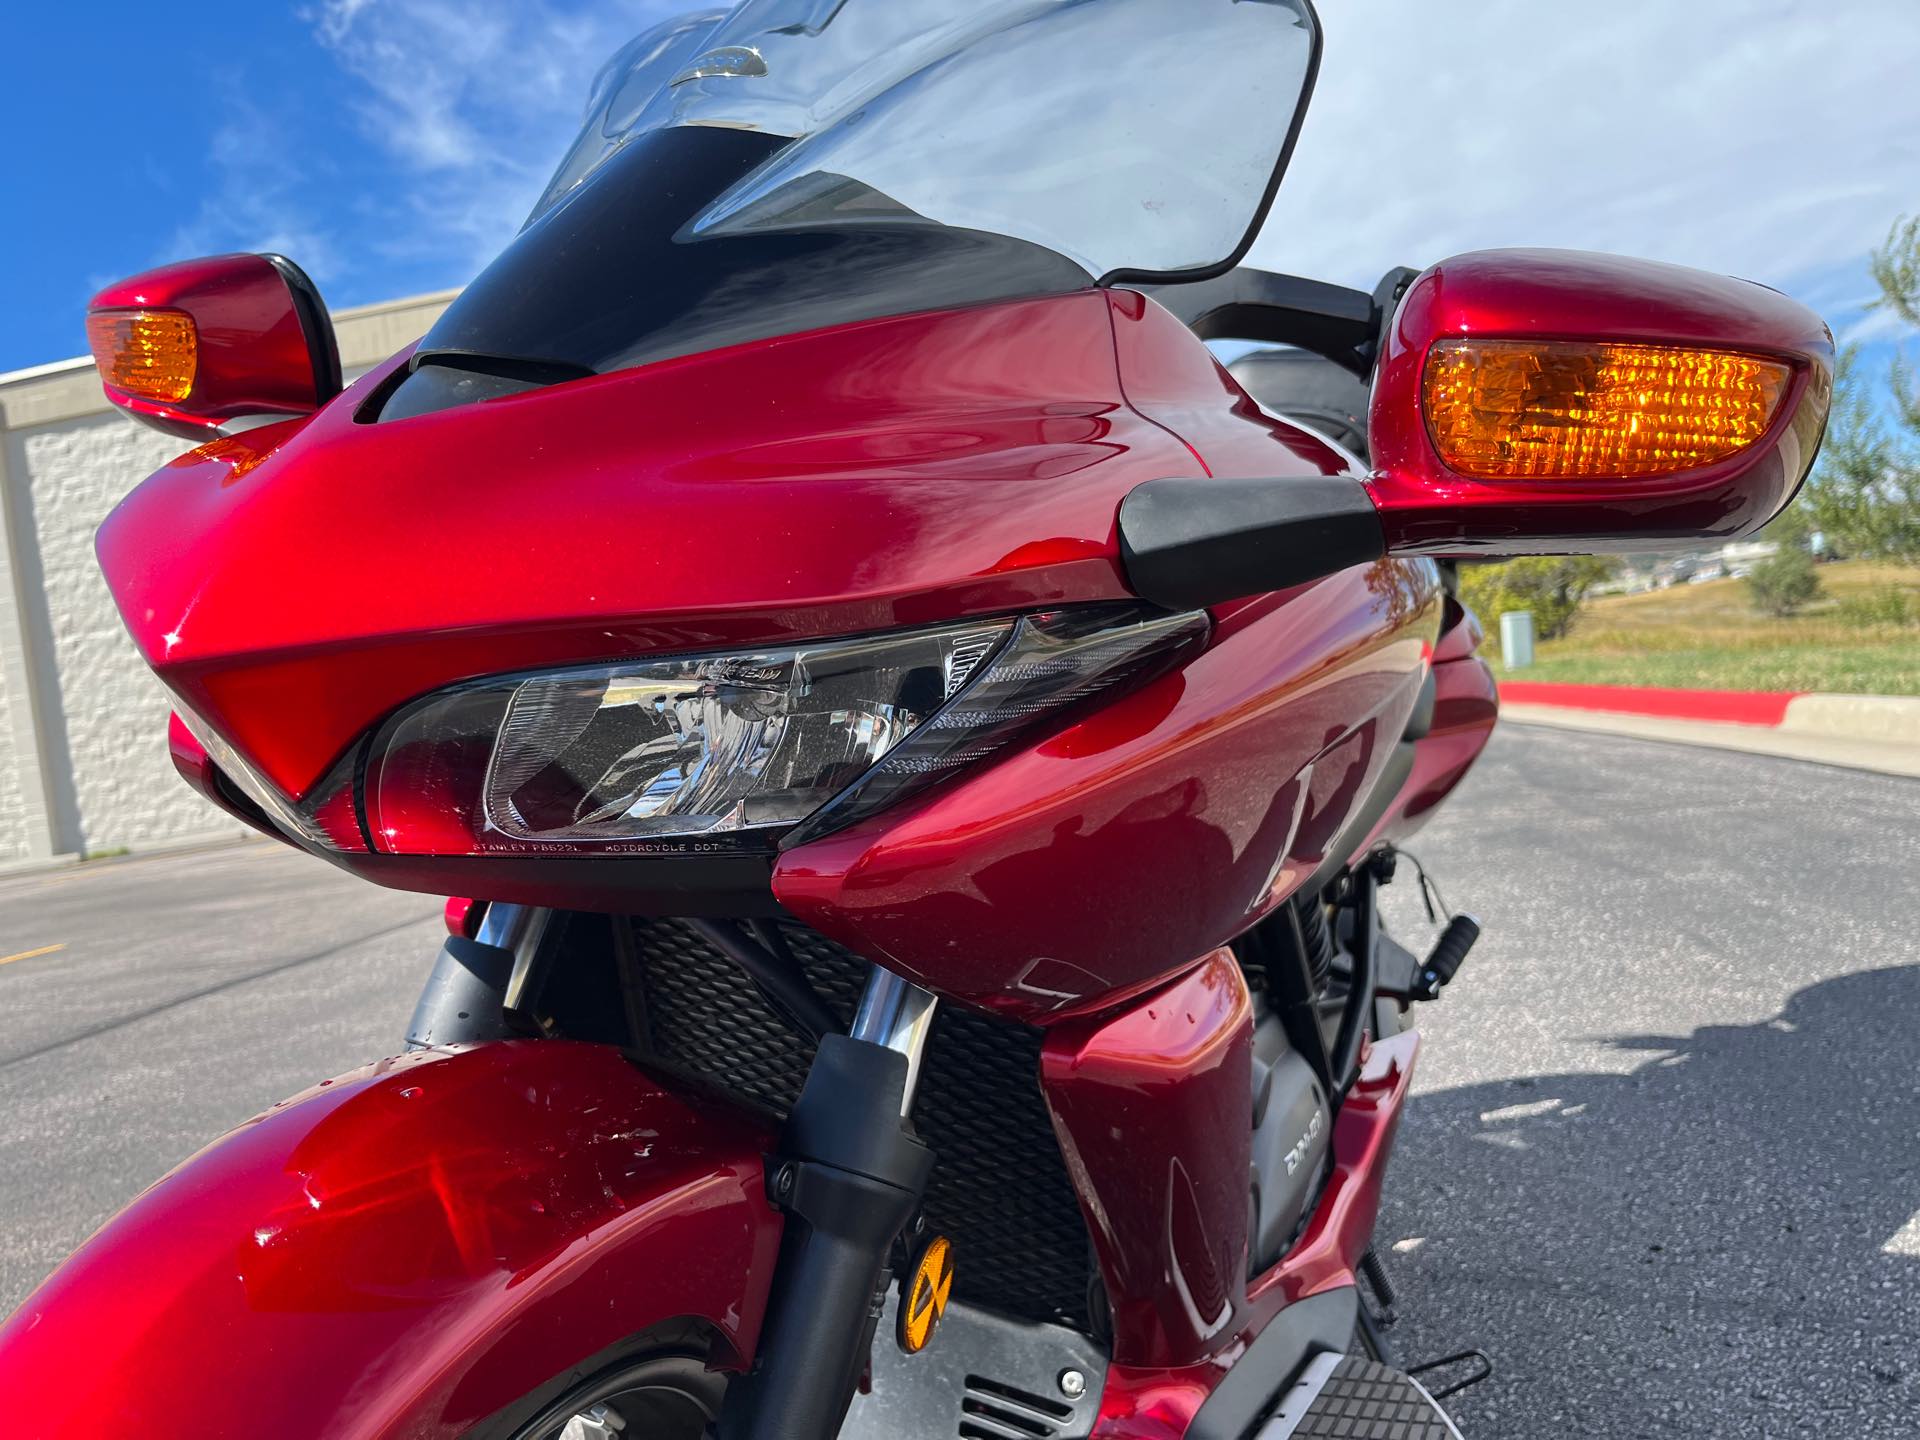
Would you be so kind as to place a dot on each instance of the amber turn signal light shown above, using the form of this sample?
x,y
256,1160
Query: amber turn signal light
x,y
923,1298
1569,409
150,354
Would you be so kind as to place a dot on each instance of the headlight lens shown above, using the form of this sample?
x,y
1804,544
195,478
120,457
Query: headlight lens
x,y
710,752
1050,662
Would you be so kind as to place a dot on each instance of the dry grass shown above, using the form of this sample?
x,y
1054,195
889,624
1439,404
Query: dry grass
x,y
1709,636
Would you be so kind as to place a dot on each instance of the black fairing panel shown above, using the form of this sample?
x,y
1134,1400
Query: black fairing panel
x,y
609,278
1311,388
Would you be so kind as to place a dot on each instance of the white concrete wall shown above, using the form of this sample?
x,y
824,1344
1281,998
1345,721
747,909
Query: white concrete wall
x,y
83,755
111,715
13,818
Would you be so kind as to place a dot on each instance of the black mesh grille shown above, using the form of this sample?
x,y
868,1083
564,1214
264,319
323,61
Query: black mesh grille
x,y
999,1187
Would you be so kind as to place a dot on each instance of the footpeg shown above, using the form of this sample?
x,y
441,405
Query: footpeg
x,y
1348,1397
1441,966
1400,975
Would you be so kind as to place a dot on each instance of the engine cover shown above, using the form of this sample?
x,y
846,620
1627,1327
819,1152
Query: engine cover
x,y
1292,1132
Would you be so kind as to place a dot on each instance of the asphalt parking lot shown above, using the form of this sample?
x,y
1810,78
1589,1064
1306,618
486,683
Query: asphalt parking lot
x,y
1663,1162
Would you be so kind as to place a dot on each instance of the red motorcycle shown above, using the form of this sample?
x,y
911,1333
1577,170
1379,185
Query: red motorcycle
x,y
925,742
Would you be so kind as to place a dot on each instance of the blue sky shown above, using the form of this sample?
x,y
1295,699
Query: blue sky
x,y
391,146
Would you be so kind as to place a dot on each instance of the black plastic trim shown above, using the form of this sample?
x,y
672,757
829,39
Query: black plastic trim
x,y
1347,1045
731,886
1258,1378
1315,43
464,999
610,278
323,346
1420,722
1245,304
1188,544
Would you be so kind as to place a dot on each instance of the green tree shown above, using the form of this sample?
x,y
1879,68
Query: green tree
x,y
1865,492
1785,581
1551,586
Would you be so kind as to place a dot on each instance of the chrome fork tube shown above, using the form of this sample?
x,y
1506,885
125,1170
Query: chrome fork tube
x,y
518,929
897,1014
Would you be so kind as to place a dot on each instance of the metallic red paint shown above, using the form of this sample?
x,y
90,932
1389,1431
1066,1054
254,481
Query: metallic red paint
x,y
1177,383
1466,705
403,1251
1040,885
462,916
1151,1110
254,356
1465,708
1158,1401
196,767
936,465
890,473
1566,294
1460,634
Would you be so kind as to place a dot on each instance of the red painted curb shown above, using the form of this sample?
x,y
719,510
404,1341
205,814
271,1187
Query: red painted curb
x,y
1737,707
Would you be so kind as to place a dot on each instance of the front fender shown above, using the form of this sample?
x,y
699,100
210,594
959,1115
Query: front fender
x,y
405,1250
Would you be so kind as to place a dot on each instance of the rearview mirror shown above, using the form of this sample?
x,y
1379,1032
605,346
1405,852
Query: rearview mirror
x,y
188,347
1526,402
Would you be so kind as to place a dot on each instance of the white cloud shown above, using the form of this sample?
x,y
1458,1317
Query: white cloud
x,y
254,201
475,102
1880,323
1771,139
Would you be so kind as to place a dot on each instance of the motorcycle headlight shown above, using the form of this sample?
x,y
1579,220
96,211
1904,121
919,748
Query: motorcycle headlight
x,y
713,751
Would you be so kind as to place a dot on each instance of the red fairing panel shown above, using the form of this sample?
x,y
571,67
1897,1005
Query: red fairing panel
x,y
1158,1402
1466,706
402,1252
1151,1110
1178,383
192,763
1099,862
886,474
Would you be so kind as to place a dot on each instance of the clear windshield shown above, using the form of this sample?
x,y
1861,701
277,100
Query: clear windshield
x,y
1129,136
794,164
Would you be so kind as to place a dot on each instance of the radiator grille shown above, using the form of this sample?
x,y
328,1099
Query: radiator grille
x,y
999,1186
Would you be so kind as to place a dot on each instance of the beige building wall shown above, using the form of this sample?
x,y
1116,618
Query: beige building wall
x,y
83,724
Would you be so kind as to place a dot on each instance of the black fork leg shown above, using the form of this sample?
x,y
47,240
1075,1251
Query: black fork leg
x,y
850,1175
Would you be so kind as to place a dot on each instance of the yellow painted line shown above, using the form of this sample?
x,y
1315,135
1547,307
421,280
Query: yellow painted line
x,y
29,954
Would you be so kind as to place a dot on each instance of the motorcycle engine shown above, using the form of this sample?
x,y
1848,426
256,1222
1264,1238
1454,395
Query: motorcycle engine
x,y
1292,1136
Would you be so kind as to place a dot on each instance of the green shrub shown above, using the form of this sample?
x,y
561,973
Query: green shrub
x,y
1786,581
1551,586
1888,606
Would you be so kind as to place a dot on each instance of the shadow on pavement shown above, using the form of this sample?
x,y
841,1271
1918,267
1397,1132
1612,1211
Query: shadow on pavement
x,y
1722,1242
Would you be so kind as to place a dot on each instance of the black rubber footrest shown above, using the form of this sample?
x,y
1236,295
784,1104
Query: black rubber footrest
x,y
1358,1399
